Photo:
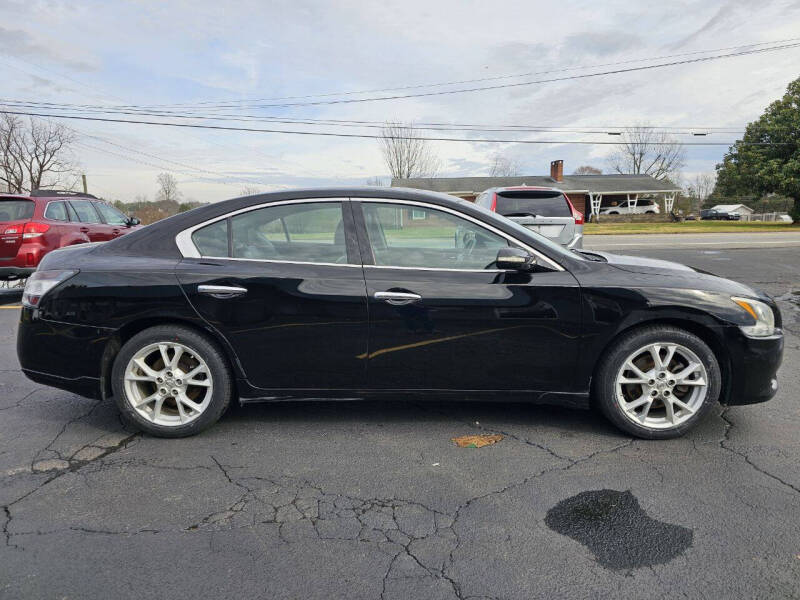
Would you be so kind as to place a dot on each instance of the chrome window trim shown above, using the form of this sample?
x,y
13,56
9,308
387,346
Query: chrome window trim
x,y
188,250
462,215
183,239
47,207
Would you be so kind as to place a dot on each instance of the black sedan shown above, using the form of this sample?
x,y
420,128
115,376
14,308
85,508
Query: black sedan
x,y
379,293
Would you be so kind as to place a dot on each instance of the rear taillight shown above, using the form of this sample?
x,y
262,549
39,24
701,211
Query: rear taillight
x,y
494,203
42,282
576,214
12,230
33,230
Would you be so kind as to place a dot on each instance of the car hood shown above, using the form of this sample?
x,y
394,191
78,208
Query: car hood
x,y
638,271
638,264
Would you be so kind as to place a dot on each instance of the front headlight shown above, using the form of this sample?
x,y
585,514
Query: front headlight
x,y
40,283
762,314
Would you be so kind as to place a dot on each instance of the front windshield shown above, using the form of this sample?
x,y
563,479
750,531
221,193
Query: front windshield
x,y
554,248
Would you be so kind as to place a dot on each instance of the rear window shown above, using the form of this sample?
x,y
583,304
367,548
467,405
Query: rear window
x,y
529,203
15,210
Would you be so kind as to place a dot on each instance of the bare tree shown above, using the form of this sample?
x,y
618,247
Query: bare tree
x,y
167,188
587,170
646,151
702,185
699,189
503,166
35,154
407,155
250,190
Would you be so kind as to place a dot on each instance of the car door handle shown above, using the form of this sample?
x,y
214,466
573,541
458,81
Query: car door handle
x,y
222,292
85,229
397,298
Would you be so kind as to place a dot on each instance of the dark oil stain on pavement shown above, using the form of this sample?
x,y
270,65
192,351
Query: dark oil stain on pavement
x,y
617,531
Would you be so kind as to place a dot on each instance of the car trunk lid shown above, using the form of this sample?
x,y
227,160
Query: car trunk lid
x,y
14,214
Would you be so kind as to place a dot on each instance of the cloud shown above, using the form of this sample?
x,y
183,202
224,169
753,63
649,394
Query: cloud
x,y
20,44
152,53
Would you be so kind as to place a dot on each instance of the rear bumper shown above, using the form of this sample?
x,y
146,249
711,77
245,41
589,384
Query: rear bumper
x,y
83,386
754,367
61,355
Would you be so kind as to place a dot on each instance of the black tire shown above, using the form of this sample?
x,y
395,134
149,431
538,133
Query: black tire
x,y
202,346
604,388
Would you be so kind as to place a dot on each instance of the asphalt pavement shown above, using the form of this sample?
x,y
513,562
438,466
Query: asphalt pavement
x,y
373,500
622,243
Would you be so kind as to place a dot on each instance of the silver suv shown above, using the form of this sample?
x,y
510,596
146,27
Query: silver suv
x,y
547,211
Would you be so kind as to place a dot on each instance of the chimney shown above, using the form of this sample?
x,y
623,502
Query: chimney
x,y
557,170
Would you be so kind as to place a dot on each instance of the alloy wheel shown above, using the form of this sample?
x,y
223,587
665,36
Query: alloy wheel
x,y
168,384
661,385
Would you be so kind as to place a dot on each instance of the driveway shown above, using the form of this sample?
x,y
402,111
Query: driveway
x,y
369,500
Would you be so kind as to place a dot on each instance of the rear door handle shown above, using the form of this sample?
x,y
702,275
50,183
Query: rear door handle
x,y
85,229
397,298
222,292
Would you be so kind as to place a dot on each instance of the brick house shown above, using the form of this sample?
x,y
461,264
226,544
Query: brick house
x,y
588,193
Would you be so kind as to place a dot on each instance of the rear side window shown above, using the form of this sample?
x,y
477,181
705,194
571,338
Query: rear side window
x,y
212,240
57,211
85,211
530,203
15,210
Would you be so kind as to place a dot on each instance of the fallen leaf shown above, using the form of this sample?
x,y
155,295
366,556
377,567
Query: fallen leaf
x,y
477,441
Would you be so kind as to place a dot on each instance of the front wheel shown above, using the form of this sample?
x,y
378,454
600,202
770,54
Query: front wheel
x,y
657,382
171,381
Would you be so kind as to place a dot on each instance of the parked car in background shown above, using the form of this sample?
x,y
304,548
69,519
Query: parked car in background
x,y
367,293
547,211
784,219
644,206
32,225
711,214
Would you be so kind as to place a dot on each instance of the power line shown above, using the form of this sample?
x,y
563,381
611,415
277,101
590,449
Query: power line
x,y
367,136
227,103
364,124
539,81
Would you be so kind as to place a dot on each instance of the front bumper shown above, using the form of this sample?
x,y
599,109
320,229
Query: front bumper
x,y
754,367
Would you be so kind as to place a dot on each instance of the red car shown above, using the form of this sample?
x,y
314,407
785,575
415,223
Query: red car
x,y
33,225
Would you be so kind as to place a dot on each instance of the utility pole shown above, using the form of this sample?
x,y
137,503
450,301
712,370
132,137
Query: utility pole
x,y
83,177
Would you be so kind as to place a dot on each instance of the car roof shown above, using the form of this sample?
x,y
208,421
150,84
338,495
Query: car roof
x,y
51,195
525,188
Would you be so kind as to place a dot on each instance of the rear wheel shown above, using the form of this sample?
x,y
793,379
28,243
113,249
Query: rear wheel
x,y
171,381
657,382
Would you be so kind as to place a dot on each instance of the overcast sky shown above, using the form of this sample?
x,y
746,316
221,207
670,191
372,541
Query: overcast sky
x,y
110,52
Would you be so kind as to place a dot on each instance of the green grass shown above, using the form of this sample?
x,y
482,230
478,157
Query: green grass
x,y
687,227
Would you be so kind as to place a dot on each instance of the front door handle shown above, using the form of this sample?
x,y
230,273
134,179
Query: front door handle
x,y
397,298
222,292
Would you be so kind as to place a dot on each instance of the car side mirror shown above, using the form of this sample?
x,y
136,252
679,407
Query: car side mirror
x,y
132,221
515,259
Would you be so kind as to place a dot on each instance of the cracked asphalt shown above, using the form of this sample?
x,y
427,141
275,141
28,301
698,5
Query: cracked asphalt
x,y
372,500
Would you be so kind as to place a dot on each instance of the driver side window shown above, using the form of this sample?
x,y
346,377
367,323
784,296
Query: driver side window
x,y
403,235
